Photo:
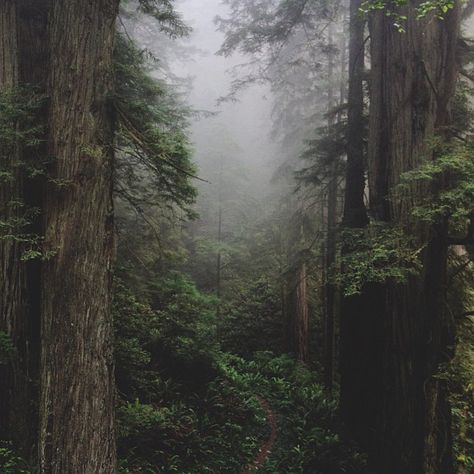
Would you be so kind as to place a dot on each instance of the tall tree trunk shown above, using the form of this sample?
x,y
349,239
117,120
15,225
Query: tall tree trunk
x,y
357,324
355,212
219,244
407,425
77,386
12,275
219,263
298,313
301,323
33,71
23,56
297,299
331,227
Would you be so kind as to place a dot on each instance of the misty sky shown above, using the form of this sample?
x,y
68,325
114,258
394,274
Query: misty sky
x,y
247,122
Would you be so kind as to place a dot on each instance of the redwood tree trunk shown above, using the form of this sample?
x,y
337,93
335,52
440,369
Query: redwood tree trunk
x,y
301,315
331,226
12,275
77,386
23,59
296,299
357,322
355,212
413,80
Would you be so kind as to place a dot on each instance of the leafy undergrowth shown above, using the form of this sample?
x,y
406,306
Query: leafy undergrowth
x,y
189,408
213,432
307,441
222,429
179,411
10,462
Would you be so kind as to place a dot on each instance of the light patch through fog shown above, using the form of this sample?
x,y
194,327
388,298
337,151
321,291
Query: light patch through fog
x,y
246,122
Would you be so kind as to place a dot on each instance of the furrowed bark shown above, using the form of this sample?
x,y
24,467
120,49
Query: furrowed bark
x,y
407,427
12,275
296,299
77,383
331,226
357,325
355,212
23,59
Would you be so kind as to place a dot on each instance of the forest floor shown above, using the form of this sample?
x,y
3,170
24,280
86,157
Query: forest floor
x,y
266,447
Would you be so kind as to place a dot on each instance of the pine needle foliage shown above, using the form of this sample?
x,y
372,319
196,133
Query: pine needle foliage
x,y
163,11
324,155
153,153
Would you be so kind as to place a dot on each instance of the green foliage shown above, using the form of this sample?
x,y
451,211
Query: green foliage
x,y
19,132
392,8
186,407
253,23
19,121
459,372
187,324
14,222
135,327
460,375
176,412
324,155
307,439
154,156
11,463
7,349
451,176
169,21
175,335
20,161
253,320
284,41
210,433
377,254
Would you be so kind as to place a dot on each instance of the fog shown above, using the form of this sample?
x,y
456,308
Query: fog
x,y
245,123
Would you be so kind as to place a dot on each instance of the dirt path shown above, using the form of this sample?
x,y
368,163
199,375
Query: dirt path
x,y
266,447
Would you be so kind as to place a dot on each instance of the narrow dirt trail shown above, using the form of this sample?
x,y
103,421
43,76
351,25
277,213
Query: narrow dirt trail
x,y
266,447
